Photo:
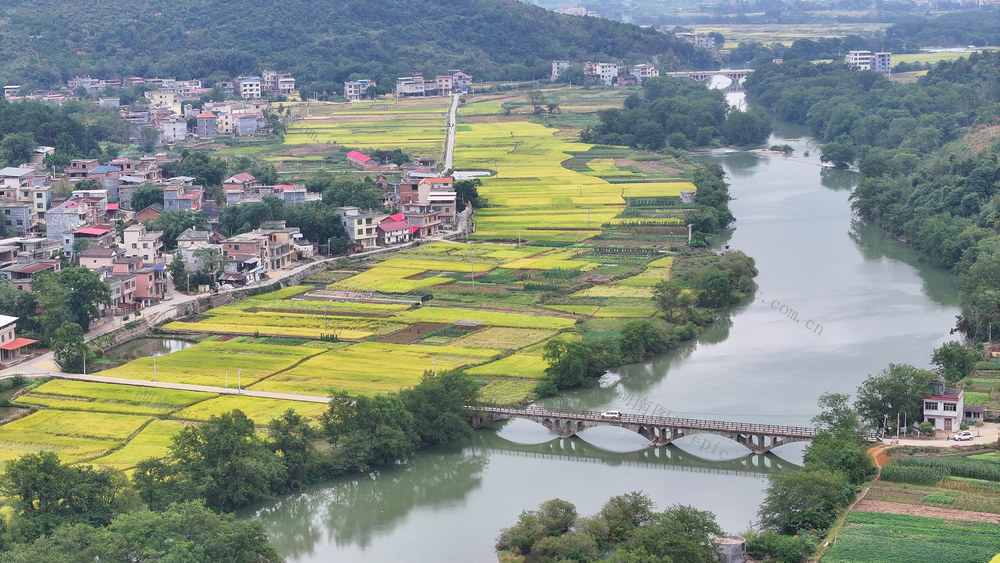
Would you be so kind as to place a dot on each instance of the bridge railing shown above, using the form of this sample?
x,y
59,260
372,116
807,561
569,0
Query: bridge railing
x,y
694,423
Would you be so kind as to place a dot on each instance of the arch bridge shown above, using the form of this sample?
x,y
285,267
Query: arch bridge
x,y
735,75
659,430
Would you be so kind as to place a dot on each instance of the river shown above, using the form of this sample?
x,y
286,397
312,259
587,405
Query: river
x,y
837,301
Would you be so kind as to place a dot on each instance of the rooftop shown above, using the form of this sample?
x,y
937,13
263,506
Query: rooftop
x,y
358,156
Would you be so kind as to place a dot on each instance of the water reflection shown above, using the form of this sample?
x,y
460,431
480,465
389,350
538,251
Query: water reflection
x,y
938,284
837,179
147,348
357,510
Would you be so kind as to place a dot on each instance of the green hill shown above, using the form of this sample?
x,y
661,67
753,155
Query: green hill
x,y
45,42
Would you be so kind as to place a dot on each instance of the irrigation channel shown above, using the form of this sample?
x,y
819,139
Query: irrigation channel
x,y
837,301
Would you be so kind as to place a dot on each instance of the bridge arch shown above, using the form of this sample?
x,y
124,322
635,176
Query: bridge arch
x,y
660,431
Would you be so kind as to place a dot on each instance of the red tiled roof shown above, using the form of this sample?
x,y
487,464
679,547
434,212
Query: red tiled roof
x,y
397,217
414,229
96,231
437,180
394,226
243,177
355,155
33,268
207,115
284,187
17,343
112,207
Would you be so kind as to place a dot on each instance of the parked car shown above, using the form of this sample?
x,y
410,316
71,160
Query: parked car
x,y
611,414
963,435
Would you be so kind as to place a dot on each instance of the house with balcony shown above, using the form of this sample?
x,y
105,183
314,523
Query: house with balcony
x,y
357,89
360,226
96,235
272,245
422,218
148,245
180,194
944,407
393,230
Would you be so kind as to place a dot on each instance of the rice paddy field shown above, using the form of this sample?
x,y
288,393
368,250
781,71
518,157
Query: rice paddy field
x,y
413,125
533,196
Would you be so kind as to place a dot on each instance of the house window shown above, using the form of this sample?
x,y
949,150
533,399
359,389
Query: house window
x,y
236,247
930,406
950,407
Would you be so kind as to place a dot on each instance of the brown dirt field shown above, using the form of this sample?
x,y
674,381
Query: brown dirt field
x,y
651,167
929,511
411,333
984,138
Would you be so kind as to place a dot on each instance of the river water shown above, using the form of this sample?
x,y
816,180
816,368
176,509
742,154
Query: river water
x,y
837,301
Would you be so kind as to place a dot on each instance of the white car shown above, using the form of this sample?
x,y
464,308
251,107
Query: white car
x,y
611,414
964,435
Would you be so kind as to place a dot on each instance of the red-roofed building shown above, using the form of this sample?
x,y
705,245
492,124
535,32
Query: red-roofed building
x,y
361,161
392,231
97,235
10,346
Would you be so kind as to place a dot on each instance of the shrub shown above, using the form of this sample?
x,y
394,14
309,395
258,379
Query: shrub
x,y
771,546
546,388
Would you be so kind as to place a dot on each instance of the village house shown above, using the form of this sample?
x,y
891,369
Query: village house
x,y
944,407
208,125
19,217
79,167
360,226
422,217
643,72
94,235
148,245
150,213
180,194
361,161
393,230
604,72
97,257
355,90
272,244
10,346
21,274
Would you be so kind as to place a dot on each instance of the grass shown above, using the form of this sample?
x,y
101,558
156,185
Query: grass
x,y
74,435
516,365
206,363
872,536
489,318
369,368
85,396
152,442
506,391
258,409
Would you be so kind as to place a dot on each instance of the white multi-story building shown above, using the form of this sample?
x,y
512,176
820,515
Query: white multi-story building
x,y
558,67
251,87
606,72
644,71
880,62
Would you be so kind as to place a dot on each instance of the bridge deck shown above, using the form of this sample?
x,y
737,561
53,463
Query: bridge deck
x,y
689,423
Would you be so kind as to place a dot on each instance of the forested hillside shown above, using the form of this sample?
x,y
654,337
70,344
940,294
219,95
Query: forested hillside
x,y
927,153
44,42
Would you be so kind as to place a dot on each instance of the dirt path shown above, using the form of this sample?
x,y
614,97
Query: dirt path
x,y
868,505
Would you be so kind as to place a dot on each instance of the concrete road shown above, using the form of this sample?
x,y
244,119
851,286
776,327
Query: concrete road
x,y
449,147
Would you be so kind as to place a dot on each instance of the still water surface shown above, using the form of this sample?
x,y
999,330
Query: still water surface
x,y
861,301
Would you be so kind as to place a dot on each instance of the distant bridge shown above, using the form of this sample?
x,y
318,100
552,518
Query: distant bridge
x,y
659,430
737,76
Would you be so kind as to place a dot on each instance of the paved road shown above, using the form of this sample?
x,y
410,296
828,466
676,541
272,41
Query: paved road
x,y
449,147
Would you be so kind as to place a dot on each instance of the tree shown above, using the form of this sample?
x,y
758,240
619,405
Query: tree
x,y
641,338
837,415
369,432
174,222
955,360
466,191
571,362
803,500
898,389
680,533
626,513
52,298
227,460
292,438
751,127
535,98
45,494
182,532
146,195
842,453
148,136
178,273
438,406
86,294
672,299
69,349
840,155
17,148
